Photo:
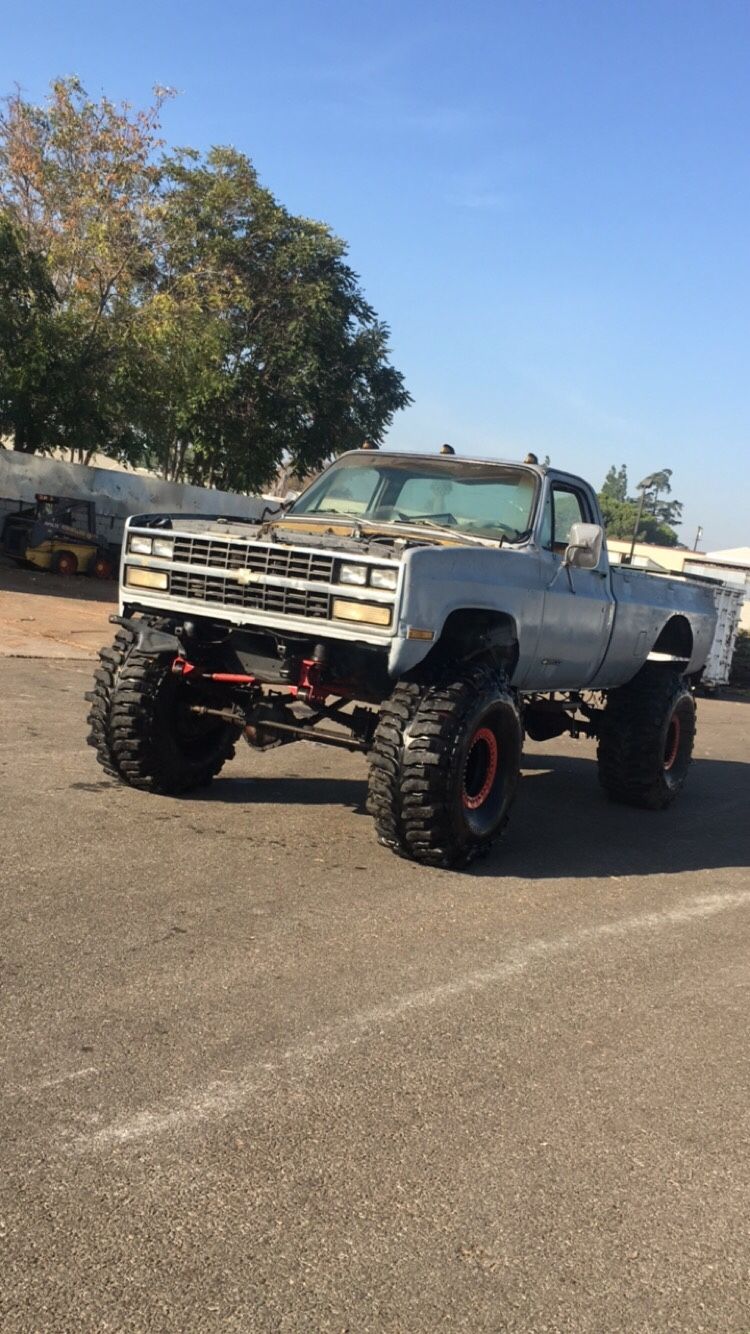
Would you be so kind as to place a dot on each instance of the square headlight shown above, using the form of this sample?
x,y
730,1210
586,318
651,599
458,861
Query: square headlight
x,y
164,546
353,574
370,613
140,546
136,577
383,577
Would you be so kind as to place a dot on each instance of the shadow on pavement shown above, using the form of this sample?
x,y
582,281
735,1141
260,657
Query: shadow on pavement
x,y
286,792
562,824
728,694
22,579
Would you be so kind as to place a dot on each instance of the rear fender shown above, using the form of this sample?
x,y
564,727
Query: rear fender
x,y
674,642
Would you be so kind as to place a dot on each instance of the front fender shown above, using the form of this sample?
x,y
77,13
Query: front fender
x,y
148,639
440,581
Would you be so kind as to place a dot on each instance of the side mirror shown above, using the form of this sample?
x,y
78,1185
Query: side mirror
x,y
585,547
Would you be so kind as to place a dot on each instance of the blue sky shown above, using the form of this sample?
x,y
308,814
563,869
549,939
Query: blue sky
x,y
547,200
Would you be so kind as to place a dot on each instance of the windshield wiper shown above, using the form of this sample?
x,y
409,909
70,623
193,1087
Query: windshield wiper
x,y
457,533
330,516
362,520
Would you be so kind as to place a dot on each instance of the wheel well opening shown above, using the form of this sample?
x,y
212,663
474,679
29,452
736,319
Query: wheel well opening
x,y
675,639
472,632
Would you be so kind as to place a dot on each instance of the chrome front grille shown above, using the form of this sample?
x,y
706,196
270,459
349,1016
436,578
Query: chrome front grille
x,y
283,562
220,591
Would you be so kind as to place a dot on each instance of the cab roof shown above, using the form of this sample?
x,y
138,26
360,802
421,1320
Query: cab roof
x,y
450,460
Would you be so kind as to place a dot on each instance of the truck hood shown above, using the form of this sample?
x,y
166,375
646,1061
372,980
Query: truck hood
x,y
388,540
368,538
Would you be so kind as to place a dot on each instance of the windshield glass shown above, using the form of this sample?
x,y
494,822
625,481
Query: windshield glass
x,y
479,499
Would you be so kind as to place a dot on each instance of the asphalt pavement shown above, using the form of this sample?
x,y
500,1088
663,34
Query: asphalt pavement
x,y
257,1074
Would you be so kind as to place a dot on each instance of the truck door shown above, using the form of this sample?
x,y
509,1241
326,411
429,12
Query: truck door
x,y
578,607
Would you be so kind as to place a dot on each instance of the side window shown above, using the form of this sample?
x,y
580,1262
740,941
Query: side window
x,y
563,507
568,508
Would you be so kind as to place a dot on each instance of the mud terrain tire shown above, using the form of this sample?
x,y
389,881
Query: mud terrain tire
x,y
141,729
647,736
444,767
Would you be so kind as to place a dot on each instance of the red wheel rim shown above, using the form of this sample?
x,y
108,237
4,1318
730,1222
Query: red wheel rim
x,y
672,745
480,770
66,566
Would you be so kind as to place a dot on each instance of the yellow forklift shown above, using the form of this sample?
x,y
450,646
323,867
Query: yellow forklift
x,y
59,534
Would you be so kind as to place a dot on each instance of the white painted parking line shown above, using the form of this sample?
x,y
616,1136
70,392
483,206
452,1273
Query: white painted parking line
x,y
43,1084
223,1097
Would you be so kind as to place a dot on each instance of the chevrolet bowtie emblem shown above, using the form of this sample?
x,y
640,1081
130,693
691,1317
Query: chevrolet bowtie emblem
x,y
249,577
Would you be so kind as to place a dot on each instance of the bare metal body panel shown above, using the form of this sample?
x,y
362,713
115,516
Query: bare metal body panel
x,y
575,628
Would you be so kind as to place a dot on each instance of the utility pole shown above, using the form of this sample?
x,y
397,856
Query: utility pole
x,y
643,487
637,525
698,537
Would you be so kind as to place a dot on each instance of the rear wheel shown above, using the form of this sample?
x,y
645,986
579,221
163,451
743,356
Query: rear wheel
x,y
444,767
65,562
102,568
142,727
646,742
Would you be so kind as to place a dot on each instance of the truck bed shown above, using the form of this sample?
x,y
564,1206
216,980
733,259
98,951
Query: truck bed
x,y
642,597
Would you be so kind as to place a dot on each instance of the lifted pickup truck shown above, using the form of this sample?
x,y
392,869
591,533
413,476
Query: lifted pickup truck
x,y
424,610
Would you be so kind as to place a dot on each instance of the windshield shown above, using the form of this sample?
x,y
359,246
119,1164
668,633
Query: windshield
x,y
479,499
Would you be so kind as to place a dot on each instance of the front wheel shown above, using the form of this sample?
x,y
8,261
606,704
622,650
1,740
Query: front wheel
x,y
102,568
65,563
646,741
444,767
142,726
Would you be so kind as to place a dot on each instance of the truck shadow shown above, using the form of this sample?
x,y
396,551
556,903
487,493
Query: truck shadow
x,y
295,791
730,695
562,825
23,579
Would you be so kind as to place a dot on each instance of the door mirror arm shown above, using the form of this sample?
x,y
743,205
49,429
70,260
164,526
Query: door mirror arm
x,y
562,566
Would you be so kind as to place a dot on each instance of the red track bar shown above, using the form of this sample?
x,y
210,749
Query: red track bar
x,y
181,667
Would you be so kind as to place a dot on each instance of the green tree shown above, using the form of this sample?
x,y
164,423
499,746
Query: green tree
x,y
660,481
656,525
294,360
620,519
31,371
665,511
615,485
668,512
178,313
79,186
